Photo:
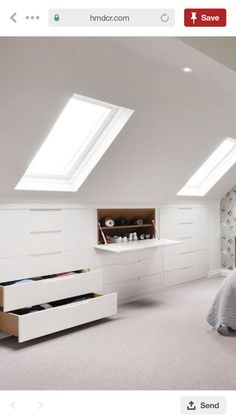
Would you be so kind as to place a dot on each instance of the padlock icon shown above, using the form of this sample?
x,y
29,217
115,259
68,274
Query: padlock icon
x,y
56,17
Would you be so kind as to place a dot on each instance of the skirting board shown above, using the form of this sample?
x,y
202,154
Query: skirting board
x,y
225,272
215,273
219,272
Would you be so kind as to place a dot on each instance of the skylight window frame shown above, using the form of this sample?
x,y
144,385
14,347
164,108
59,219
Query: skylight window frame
x,y
214,174
82,163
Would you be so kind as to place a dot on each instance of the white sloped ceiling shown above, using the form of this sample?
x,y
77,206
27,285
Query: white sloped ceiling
x,y
179,118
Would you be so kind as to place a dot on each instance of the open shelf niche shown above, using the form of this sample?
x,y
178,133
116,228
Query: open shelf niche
x,y
125,219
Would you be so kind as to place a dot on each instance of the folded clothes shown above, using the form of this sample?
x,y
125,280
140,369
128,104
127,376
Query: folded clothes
x,y
17,282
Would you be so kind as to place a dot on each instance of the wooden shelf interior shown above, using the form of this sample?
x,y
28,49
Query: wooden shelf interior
x,y
130,214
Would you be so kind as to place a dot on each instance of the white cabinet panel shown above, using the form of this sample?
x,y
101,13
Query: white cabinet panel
x,y
77,239
14,244
46,264
150,283
150,266
45,220
45,242
179,276
113,273
126,290
187,245
178,261
201,266
200,215
14,268
14,221
132,270
100,258
120,272
76,219
80,259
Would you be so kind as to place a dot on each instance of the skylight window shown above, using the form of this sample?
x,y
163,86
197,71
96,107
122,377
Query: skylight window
x,y
220,161
80,137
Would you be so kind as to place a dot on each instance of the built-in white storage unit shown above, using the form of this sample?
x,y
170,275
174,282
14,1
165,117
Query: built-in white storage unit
x,y
40,244
189,259
36,242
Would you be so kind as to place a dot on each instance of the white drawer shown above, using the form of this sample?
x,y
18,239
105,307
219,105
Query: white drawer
x,y
179,276
185,229
150,266
179,261
45,242
36,324
15,244
76,219
109,258
22,295
77,239
79,259
176,215
14,221
136,287
118,273
14,268
113,273
150,283
56,262
201,268
45,219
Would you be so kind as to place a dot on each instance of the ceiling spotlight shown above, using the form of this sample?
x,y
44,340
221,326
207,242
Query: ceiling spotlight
x,y
187,69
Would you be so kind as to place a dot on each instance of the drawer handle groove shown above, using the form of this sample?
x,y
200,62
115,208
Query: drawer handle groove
x,y
45,232
187,223
74,304
185,208
187,253
45,254
45,209
187,267
186,238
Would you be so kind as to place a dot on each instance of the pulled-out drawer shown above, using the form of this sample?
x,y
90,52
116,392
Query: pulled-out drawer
x,y
41,323
20,295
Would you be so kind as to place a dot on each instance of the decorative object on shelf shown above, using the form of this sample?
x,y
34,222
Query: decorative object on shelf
x,y
148,236
108,222
125,239
142,236
109,239
135,237
138,221
124,221
130,237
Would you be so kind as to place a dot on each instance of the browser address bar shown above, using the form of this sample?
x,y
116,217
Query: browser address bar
x,y
112,17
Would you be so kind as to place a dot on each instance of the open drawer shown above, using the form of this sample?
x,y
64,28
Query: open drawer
x,y
40,323
20,295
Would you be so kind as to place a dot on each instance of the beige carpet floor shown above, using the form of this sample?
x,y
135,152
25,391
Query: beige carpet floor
x,y
159,342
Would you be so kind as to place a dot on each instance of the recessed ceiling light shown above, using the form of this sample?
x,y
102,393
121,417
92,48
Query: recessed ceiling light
x,y
187,69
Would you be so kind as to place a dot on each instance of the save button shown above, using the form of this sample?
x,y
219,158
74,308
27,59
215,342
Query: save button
x,y
205,17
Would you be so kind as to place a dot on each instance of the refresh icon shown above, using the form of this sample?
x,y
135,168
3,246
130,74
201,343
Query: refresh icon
x,y
165,18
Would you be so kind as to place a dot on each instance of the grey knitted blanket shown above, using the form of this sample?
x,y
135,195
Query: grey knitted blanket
x,y
223,310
